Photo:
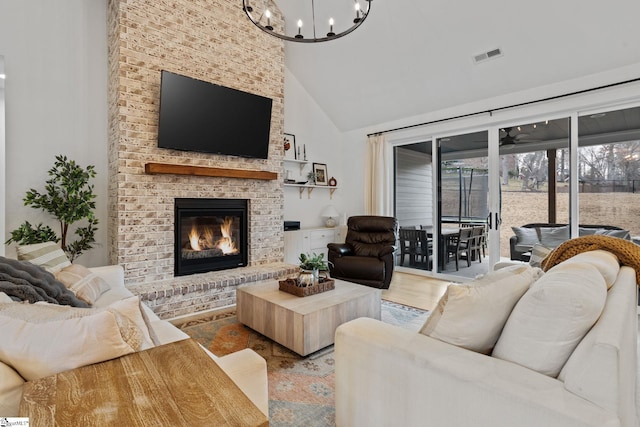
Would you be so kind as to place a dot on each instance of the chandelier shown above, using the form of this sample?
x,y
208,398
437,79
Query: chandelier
x,y
311,25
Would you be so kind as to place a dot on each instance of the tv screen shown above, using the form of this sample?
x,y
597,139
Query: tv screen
x,y
208,118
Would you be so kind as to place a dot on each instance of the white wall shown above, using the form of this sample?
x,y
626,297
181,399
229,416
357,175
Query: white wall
x,y
56,101
323,142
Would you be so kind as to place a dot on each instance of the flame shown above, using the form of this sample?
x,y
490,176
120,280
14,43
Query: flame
x,y
202,238
194,239
226,244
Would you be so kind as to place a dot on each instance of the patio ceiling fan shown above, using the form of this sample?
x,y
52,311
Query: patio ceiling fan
x,y
509,139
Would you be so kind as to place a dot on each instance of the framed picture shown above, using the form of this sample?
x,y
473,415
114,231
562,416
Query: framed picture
x,y
290,147
320,170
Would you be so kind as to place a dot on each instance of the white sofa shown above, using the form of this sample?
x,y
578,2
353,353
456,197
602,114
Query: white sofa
x,y
246,368
386,375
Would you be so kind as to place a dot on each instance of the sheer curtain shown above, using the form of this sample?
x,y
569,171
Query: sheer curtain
x,y
377,183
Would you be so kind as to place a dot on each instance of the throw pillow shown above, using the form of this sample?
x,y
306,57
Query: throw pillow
x,y
527,237
538,253
552,317
472,315
81,281
48,255
552,237
43,339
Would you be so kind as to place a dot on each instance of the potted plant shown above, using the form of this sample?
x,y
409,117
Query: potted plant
x,y
69,198
311,266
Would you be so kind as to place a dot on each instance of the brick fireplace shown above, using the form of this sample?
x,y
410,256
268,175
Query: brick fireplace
x,y
211,41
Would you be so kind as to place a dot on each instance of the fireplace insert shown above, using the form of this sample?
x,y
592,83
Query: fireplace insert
x,y
210,234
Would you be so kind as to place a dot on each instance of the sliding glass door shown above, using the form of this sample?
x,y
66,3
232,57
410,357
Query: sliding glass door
x,y
561,172
460,230
534,179
609,171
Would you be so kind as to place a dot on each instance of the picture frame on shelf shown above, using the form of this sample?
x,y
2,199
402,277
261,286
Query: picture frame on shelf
x,y
320,171
290,147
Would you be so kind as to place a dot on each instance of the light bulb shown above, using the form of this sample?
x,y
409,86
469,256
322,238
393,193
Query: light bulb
x,y
267,13
299,35
331,33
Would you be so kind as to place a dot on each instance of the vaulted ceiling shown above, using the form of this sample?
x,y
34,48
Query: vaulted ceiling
x,y
413,57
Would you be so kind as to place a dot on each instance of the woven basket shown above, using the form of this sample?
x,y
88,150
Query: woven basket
x,y
291,286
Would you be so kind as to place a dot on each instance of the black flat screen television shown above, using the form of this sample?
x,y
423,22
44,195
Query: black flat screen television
x,y
209,118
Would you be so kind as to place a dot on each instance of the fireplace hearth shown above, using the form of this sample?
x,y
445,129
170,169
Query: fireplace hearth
x,y
210,235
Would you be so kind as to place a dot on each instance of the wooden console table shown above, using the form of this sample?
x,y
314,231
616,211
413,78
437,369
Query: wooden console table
x,y
176,384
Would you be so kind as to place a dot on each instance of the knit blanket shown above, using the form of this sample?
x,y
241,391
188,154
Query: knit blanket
x,y
32,283
628,253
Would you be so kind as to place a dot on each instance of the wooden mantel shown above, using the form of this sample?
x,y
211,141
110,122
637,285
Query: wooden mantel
x,y
163,168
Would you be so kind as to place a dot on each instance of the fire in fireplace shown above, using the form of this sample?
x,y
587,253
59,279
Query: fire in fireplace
x,y
210,234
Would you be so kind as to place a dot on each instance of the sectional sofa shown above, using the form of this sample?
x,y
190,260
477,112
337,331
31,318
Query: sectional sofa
x,y
246,368
551,235
514,348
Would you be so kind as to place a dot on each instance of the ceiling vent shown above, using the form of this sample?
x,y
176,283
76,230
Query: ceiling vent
x,y
495,53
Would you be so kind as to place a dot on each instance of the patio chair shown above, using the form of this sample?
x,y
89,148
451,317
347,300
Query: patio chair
x,y
458,246
415,244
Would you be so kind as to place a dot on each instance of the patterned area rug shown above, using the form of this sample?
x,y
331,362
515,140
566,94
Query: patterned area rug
x,y
301,389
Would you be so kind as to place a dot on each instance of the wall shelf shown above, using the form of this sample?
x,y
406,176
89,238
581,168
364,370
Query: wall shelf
x,y
164,168
310,188
301,163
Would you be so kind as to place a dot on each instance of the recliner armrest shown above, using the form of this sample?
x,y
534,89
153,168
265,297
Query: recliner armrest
x,y
341,249
387,250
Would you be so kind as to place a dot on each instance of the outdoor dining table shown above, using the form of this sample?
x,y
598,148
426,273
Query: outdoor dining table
x,y
445,236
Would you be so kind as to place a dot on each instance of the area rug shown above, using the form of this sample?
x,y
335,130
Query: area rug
x,y
301,389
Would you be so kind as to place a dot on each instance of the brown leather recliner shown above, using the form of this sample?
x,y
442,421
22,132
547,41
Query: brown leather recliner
x,y
367,255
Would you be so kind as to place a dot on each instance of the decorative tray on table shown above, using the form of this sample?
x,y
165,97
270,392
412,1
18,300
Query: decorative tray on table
x,y
291,286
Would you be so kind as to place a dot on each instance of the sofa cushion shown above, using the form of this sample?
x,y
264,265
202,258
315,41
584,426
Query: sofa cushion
x,y
5,298
10,391
606,263
43,339
472,315
47,255
552,317
527,237
81,281
552,237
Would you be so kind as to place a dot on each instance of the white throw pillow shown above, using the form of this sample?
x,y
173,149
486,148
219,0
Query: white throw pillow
x,y
82,282
43,339
472,315
552,317
606,263
5,298
47,255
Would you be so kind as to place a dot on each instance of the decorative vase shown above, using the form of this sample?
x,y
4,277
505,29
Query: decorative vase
x,y
308,278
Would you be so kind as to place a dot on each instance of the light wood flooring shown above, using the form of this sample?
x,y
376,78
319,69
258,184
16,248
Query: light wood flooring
x,y
414,290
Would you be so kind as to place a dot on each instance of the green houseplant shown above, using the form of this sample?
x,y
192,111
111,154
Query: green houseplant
x,y
311,266
69,198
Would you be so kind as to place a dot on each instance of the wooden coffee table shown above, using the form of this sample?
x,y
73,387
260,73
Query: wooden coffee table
x,y
304,324
175,384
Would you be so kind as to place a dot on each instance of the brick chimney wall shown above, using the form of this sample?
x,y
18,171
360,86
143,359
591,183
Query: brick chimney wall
x,y
212,41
